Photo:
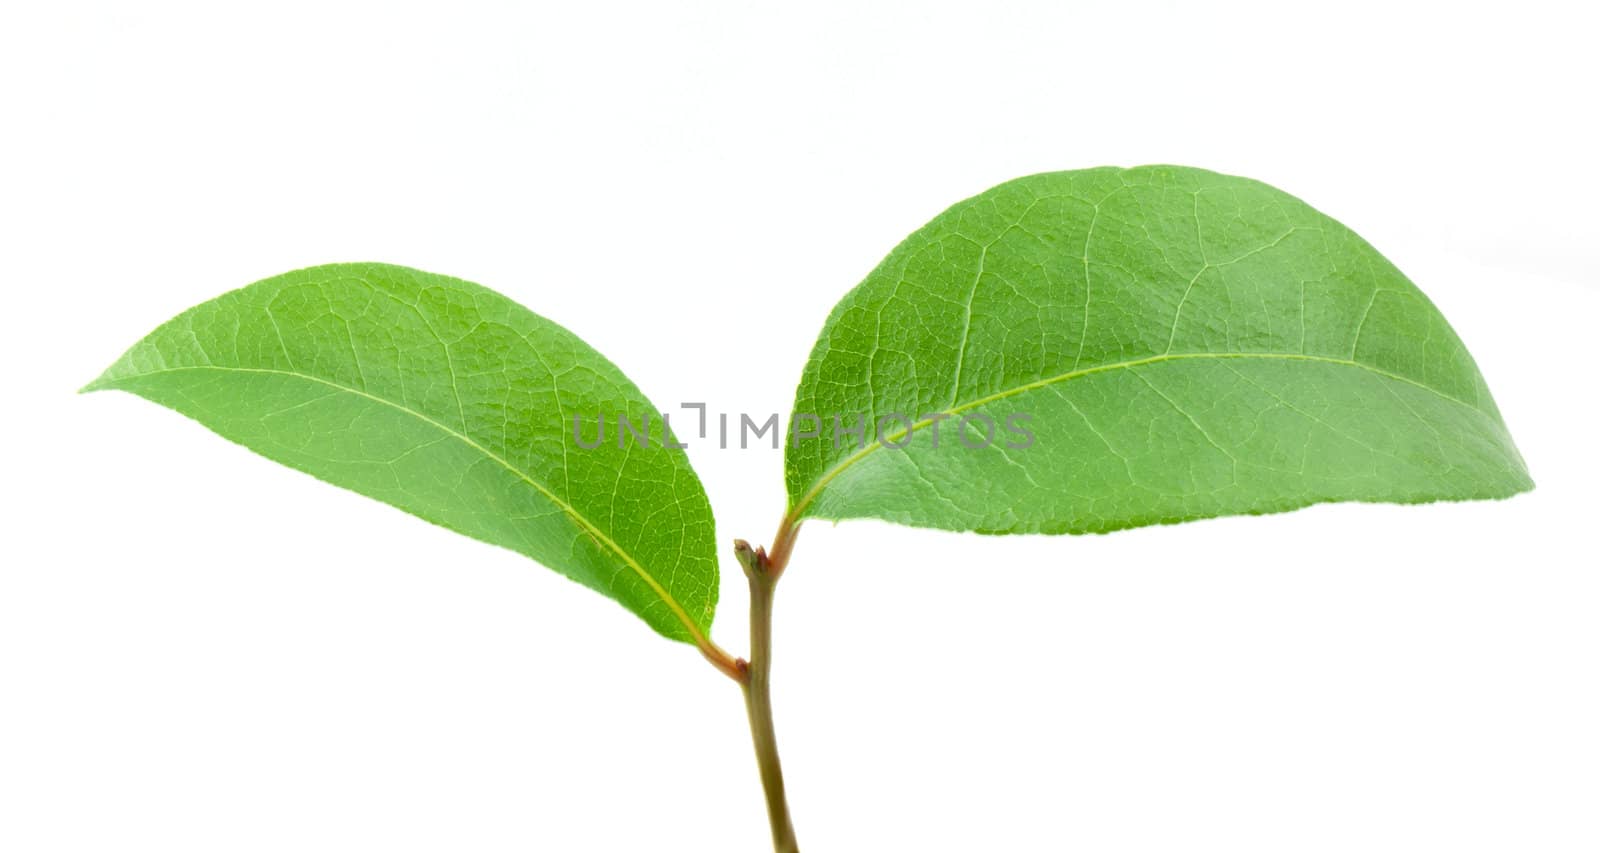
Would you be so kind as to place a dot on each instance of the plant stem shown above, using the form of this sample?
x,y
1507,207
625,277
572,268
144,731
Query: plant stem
x,y
763,573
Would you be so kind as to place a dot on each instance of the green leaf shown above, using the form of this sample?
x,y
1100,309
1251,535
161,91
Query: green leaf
x,y
1179,344
455,404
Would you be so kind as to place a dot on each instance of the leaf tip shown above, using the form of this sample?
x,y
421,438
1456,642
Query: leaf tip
x,y
100,383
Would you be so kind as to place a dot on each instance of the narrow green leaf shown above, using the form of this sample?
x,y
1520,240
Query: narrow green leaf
x,y
1179,344
455,404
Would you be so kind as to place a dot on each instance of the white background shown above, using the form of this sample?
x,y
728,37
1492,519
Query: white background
x,y
200,651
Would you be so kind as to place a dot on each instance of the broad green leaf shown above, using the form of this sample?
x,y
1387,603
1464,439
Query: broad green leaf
x,y
1180,345
455,404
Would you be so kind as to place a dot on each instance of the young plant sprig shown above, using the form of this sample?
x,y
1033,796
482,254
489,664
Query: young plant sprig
x,y
1180,345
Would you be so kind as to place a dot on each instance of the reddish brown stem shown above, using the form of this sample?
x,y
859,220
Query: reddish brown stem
x,y
763,571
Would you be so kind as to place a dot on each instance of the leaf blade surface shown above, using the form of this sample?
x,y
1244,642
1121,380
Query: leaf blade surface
x,y
1181,345
455,404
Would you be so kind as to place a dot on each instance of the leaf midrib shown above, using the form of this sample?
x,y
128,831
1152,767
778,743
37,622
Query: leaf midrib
x,y
797,511
568,509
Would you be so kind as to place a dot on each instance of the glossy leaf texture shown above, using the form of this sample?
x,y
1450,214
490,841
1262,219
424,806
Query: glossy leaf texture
x,y
455,404
1178,344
